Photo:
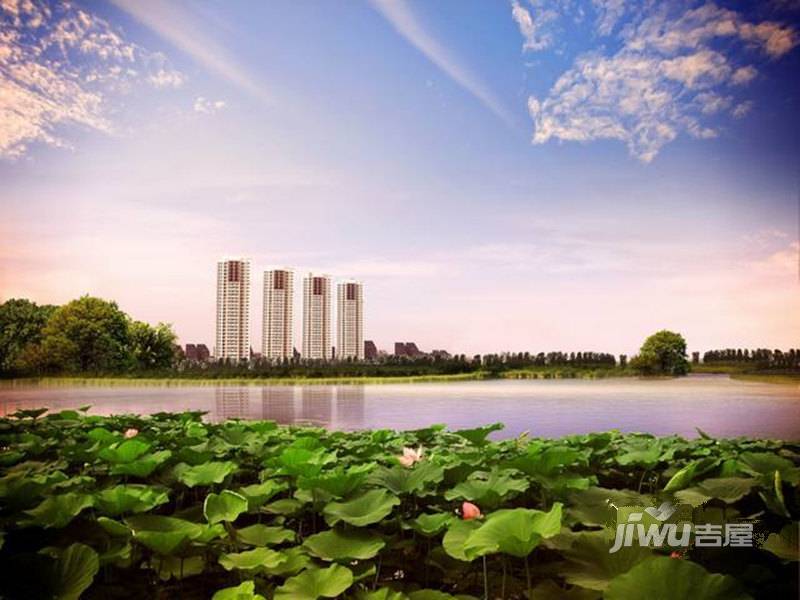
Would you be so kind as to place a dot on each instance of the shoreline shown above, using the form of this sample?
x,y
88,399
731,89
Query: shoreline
x,y
775,379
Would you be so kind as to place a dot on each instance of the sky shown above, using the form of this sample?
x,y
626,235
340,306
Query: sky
x,y
529,175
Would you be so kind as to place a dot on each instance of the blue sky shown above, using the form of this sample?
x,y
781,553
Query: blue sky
x,y
501,175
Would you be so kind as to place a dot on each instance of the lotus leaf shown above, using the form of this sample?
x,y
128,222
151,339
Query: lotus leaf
x,y
225,506
336,544
370,507
132,498
205,474
670,579
316,583
243,591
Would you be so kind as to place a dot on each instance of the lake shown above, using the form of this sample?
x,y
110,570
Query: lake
x,y
720,406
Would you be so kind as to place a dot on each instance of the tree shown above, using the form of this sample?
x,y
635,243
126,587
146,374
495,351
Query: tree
x,y
21,325
87,335
663,353
151,347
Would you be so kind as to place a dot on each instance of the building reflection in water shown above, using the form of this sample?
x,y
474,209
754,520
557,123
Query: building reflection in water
x,y
349,407
232,403
316,404
277,404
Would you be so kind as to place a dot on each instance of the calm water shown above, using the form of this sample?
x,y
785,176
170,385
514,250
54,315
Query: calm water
x,y
716,404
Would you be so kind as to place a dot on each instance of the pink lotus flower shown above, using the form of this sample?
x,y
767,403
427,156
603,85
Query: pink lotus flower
x,y
676,554
131,433
470,511
410,456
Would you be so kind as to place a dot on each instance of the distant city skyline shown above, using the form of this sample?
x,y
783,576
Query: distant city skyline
x,y
502,175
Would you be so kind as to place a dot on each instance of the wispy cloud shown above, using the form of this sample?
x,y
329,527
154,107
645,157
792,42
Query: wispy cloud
x,y
403,20
668,77
58,65
205,106
178,25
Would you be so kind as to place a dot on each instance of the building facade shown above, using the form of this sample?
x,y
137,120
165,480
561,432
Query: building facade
x,y
233,310
277,337
350,321
317,318
370,350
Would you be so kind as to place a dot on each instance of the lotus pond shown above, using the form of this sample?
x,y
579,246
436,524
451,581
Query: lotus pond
x,y
168,506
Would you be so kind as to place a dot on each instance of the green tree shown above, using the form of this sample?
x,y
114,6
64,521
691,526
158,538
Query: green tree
x,y
87,335
21,325
151,347
663,353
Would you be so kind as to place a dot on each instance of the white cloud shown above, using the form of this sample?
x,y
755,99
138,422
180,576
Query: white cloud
x,y
741,109
166,79
171,21
609,12
58,64
402,19
664,79
743,75
205,106
530,26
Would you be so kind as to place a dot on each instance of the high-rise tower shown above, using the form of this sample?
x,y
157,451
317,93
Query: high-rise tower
x,y
350,321
233,310
277,328
317,317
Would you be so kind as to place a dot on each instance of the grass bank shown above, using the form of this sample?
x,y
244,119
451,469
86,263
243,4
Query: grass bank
x,y
554,373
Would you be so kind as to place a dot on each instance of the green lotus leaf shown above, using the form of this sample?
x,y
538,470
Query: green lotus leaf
x,y
294,561
165,535
645,453
432,524
513,531
785,545
589,563
381,594
592,507
264,535
303,462
684,476
226,506
316,583
765,464
58,511
142,466
437,595
549,590
250,560
205,474
368,508
479,435
401,480
114,528
176,567
339,482
456,536
124,452
74,571
103,436
285,506
673,579
488,489
133,498
260,493
243,591
727,489
344,545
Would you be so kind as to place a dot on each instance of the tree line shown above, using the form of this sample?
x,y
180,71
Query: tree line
x,y
84,336
759,358
92,336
